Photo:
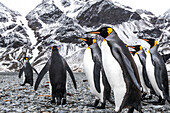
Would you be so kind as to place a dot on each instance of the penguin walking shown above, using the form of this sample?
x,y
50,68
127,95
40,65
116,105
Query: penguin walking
x,y
121,71
140,60
157,72
28,72
57,67
93,68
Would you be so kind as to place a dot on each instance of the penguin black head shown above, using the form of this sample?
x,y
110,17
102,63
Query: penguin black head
x,y
54,48
104,31
152,42
25,58
136,47
89,41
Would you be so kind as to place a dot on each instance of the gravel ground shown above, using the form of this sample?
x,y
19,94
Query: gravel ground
x,y
16,98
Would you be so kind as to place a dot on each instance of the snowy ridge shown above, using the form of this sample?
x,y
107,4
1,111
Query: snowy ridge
x,y
62,22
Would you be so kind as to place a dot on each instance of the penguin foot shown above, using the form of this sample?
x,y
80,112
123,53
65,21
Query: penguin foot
x,y
95,104
22,84
130,110
111,101
157,102
146,98
102,106
90,105
63,101
53,102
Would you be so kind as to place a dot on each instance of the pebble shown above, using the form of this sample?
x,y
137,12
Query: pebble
x,y
16,98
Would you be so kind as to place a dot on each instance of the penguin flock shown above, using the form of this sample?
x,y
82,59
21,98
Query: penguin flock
x,y
132,76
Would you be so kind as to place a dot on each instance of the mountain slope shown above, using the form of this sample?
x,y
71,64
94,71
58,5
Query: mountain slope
x,y
63,22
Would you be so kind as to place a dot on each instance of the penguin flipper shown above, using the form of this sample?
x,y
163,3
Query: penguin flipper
x,y
41,74
157,74
96,73
35,70
145,75
71,73
124,61
20,72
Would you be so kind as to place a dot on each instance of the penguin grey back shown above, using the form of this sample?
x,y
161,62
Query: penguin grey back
x,y
142,57
160,70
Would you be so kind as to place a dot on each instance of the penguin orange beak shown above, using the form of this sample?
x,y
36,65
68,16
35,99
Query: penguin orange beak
x,y
131,47
93,32
145,40
83,39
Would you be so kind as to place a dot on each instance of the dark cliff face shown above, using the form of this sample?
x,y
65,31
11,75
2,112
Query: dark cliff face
x,y
105,12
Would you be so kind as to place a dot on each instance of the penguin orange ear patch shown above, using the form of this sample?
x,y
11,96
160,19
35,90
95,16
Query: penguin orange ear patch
x,y
94,41
51,48
109,30
155,43
57,48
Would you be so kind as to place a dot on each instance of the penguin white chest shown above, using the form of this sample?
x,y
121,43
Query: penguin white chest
x,y
151,75
114,74
88,68
24,72
140,71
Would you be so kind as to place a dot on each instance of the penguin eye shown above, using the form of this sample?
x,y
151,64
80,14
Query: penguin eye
x,y
109,30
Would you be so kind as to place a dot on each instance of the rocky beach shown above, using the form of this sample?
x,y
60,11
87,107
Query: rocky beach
x,y
23,99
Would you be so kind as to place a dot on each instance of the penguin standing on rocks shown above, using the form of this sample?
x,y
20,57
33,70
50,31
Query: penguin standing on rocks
x,y
57,67
140,60
93,68
157,72
28,72
121,71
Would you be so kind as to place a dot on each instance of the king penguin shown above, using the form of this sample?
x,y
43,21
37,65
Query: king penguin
x,y
28,72
93,68
140,60
157,72
121,71
57,67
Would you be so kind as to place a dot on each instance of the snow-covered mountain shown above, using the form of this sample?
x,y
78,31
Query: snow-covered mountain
x,y
13,38
62,22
